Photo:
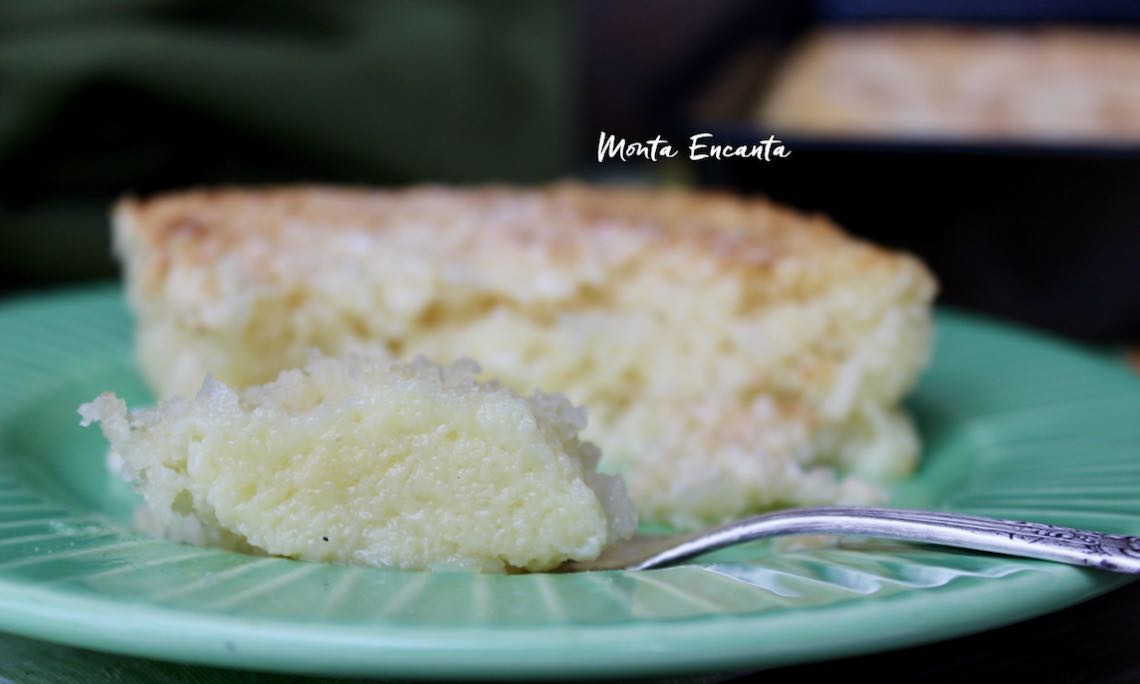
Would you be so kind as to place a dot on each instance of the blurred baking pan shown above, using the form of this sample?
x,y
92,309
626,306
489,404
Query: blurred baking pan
x,y
1045,231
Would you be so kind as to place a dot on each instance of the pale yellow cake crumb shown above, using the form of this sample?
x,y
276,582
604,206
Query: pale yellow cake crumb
x,y
373,462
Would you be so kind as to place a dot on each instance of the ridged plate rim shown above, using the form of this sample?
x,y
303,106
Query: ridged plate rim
x,y
634,646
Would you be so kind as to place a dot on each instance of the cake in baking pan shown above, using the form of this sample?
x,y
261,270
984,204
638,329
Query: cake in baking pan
x,y
1046,83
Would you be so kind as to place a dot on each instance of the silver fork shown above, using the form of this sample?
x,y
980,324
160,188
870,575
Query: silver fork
x,y
1116,553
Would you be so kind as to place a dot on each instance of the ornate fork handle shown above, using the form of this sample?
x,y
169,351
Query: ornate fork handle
x,y
1033,540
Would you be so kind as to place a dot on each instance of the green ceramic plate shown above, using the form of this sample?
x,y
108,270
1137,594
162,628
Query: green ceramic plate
x,y
1015,426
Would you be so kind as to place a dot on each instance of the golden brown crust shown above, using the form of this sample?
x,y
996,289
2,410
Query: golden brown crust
x,y
199,226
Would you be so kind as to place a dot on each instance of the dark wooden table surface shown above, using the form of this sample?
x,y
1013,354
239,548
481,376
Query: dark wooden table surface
x,y
1096,641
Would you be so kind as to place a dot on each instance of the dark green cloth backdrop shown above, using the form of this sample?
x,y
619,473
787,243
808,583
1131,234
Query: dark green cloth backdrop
x,y
100,97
